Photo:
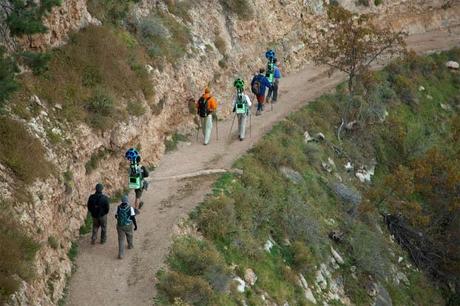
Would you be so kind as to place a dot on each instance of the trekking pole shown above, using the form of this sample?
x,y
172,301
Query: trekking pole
x,y
231,127
250,124
217,129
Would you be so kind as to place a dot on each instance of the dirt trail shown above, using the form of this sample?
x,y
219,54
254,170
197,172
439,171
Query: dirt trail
x,y
102,279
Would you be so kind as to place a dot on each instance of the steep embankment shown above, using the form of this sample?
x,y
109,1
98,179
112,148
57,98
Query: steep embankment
x,y
306,221
111,87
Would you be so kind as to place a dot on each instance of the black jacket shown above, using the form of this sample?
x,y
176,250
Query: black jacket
x,y
98,205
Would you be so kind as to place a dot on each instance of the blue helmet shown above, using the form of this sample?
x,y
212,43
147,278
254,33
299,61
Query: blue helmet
x,y
270,54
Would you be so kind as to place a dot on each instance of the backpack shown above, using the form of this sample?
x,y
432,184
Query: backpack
x,y
203,107
124,215
256,86
241,105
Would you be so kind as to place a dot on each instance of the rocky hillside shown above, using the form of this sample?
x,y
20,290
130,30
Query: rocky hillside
x,y
115,74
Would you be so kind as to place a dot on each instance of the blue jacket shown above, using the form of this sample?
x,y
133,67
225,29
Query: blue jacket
x,y
277,73
264,82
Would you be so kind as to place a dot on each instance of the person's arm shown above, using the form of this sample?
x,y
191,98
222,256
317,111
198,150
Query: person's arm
x,y
248,100
106,205
133,218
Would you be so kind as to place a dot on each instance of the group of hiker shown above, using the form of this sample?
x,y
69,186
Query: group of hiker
x,y
265,78
98,203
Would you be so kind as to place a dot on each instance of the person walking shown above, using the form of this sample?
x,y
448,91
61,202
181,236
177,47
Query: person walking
x,y
98,207
206,107
259,85
273,90
241,107
126,218
143,172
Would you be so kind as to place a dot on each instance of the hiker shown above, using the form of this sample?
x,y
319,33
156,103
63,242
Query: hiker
x,y
143,172
258,86
273,90
98,206
241,107
206,107
126,217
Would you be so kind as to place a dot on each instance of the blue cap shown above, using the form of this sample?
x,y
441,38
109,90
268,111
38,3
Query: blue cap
x,y
124,199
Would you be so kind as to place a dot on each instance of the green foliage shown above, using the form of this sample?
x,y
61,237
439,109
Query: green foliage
x,y
38,62
91,77
53,242
22,153
95,159
163,36
73,251
172,141
181,8
241,8
112,11
17,255
25,16
86,227
8,84
135,108
378,2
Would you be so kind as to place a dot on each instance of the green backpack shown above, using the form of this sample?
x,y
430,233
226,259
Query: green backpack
x,y
124,215
241,105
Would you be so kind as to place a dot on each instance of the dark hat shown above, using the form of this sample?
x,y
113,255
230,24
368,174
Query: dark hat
x,y
99,187
124,199
261,70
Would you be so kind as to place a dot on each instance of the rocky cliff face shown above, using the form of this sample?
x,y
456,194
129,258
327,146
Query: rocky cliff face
x,y
59,205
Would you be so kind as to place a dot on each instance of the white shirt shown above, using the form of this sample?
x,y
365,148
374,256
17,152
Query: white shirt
x,y
245,96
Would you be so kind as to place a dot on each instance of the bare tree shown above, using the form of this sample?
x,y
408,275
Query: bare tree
x,y
351,43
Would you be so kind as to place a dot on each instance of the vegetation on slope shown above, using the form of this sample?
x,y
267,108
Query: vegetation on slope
x,y
408,123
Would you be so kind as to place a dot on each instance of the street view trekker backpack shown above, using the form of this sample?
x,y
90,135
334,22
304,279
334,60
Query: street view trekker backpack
x,y
241,105
203,107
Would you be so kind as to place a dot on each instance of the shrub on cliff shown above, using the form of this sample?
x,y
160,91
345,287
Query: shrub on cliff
x,y
17,253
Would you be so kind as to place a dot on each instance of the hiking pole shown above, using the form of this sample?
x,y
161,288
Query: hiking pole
x,y
217,129
250,124
231,127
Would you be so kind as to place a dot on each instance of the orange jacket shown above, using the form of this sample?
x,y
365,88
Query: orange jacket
x,y
212,102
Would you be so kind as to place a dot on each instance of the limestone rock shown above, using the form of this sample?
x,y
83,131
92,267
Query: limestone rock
x,y
241,287
383,297
307,137
250,277
348,166
291,174
307,291
337,256
452,65
365,175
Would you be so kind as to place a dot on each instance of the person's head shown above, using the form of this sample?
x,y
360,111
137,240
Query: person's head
x,y
207,90
124,199
262,70
275,60
99,187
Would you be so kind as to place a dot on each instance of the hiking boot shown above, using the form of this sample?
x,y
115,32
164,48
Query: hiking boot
x,y
93,242
258,113
130,246
103,241
141,204
120,257
241,138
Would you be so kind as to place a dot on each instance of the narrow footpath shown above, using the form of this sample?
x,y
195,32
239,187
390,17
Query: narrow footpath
x,y
102,279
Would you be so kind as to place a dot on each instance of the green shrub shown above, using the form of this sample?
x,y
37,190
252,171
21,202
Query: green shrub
x,y
112,11
53,242
86,227
100,107
191,289
38,62
171,144
369,250
181,8
163,36
241,8
135,108
193,257
217,218
220,44
17,253
8,84
378,2
93,163
21,152
73,251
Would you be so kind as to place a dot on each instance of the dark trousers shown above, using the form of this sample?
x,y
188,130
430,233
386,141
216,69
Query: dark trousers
x,y
260,103
124,232
273,91
102,223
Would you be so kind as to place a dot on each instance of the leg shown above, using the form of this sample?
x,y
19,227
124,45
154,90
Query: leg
x,y
95,229
275,91
121,242
269,95
129,235
203,125
208,129
137,202
103,223
242,125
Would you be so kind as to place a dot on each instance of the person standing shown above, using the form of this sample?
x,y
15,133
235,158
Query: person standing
x,y
126,218
241,106
98,206
259,85
206,107
143,172
273,90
